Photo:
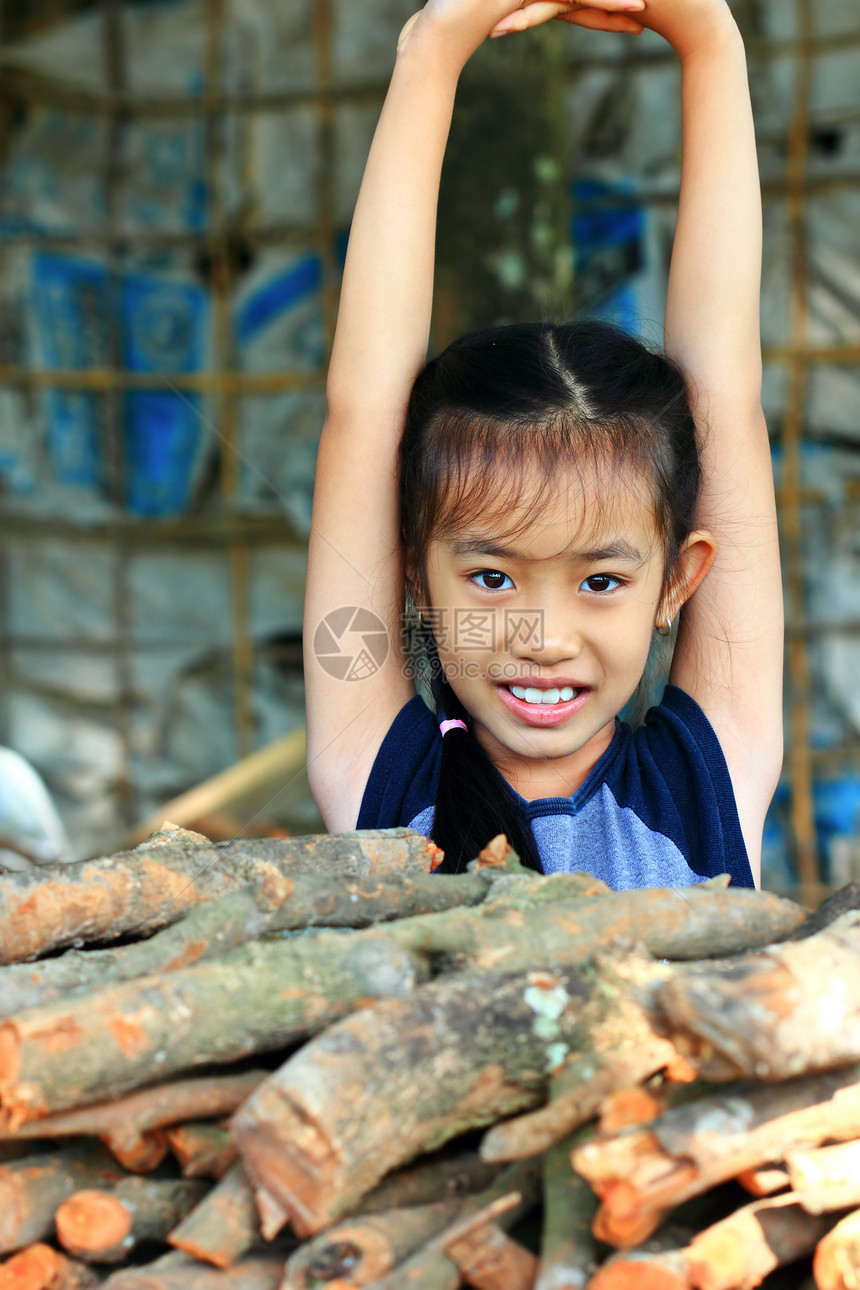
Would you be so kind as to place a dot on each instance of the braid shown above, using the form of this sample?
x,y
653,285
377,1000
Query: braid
x,y
473,803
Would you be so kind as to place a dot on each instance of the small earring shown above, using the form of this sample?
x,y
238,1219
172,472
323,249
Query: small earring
x,y
666,629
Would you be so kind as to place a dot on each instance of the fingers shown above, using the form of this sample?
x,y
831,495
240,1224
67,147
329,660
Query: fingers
x,y
597,20
601,15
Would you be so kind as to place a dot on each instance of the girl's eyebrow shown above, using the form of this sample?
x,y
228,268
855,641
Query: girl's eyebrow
x,y
618,549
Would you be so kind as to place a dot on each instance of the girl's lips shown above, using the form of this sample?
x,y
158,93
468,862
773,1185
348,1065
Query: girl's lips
x,y
544,714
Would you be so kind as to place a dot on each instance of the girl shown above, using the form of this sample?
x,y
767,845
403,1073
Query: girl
x,y
552,497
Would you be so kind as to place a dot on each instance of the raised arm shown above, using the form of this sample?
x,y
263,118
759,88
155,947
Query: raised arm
x,y
730,645
380,345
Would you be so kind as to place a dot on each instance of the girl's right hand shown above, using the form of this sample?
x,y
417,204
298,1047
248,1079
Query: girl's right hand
x,y
462,25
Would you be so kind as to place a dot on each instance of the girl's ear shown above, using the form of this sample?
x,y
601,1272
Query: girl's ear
x,y
694,561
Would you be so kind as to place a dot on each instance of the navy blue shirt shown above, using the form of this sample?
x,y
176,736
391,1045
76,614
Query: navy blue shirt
x,y
657,810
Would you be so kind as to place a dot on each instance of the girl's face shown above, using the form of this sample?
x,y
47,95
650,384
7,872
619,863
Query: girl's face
x,y
564,609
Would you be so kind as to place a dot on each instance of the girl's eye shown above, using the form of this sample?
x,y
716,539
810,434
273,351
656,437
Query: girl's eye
x,y
494,580
601,582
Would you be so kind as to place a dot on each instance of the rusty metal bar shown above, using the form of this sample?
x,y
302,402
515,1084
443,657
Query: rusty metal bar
x,y
26,84
224,363
224,382
799,757
115,76
322,37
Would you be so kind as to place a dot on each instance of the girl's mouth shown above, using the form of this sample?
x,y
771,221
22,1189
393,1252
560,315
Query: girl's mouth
x,y
542,707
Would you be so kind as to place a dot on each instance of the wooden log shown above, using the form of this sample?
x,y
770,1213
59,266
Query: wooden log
x,y
640,1174
32,1188
841,902
568,1249
105,1226
826,1178
146,889
836,1263
202,1149
222,1227
764,1181
41,1267
211,930
627,1106
430,1268
258,998
207,931
621,1049
365,1248
705,922
403,1077
125,1120
489,1259
784,1011
740,1251
433,1178
436,1185
256,1272
657,1265
138,1155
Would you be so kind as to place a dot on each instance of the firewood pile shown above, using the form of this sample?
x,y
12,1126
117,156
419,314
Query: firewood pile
x,y
314,1064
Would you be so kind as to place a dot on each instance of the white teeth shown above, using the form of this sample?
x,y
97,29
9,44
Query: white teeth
x,y
534,695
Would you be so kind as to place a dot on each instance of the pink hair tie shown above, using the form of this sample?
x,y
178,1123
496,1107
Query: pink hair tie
x,y
445,726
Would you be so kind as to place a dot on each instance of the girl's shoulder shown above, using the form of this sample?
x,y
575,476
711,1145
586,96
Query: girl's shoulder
x,y
658,808
405,774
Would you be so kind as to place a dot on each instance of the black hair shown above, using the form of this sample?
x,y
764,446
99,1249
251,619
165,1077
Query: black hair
x,y
567,395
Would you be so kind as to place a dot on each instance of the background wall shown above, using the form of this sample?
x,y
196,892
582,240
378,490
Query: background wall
x,y
178,177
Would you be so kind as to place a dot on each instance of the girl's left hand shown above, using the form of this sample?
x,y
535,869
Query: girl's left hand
x,y
600,15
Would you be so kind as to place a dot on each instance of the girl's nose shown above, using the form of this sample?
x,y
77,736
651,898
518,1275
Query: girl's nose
x,y
544,635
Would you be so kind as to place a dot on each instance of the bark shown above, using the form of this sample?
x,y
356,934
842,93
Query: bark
x,y
640,1174
567,1247
841,902
430,1268
105,1226
836,1265
401,1078
620,1049
434,1178
203,1150
491,1260
741,1250
258,998
366,1248
222,1227
704,922
125,1120
827,1178
40,1267
657,1265
211,930
257,1272
32,1188
146,889
787,1010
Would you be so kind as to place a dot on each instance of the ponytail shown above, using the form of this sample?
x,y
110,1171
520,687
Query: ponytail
x,y
473,802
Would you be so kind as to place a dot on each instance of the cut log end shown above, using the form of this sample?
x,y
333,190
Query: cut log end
x,y
92,1221
633,1275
